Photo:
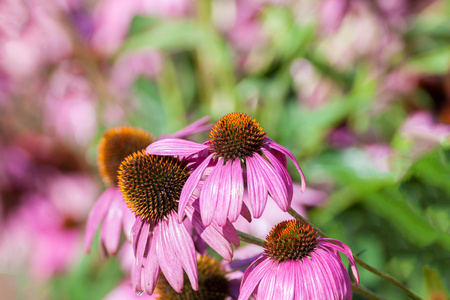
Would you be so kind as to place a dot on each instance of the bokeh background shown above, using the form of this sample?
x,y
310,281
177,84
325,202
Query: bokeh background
x,y
358,90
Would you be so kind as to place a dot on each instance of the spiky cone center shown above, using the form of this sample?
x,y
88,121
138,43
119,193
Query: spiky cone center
x,y
290,240
212,283
151,185
236,135
115,145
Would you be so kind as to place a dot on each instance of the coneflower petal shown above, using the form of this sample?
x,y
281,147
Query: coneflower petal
x,y
289,154
283,172
266,288
184,249
224,196
112,225
253,275
190,185
96,215
237,191
257,189
168,261
174,147
274,182
151,267
209,195
286,276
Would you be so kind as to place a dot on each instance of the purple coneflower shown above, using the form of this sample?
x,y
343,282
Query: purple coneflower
x,y
151,186
237,150
115,145
297,264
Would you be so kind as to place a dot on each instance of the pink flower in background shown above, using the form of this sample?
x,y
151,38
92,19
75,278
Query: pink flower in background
x,y
234,151
332,12
70,105
297,264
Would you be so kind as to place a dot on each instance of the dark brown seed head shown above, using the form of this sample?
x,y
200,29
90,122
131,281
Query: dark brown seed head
x,y
151,185
290,240
212,283
236,135
115,145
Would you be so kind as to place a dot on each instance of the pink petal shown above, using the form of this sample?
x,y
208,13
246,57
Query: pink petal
x,y
274,183
151,267
282,171
174,147
141,244
286,277
168,261
184,249
237,191
266,288
253,275
96,215
245,212
224,195
212,235
288,153
345,250
257,189
197,126
112,225
209,195
190,185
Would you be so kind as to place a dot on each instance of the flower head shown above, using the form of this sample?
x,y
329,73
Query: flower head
x,y
298,264
115,145
151,186
237,151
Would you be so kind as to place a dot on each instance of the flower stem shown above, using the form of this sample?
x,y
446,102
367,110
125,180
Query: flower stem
x,y
250,239
359,261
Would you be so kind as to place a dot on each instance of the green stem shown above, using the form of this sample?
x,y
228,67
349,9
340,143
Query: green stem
x,y
361,262
250,239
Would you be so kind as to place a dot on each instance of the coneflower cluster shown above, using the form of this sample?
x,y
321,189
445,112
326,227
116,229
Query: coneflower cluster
x,y
176,199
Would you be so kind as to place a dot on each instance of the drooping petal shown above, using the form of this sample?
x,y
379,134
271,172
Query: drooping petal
x,y
237,191
151,267
197,126
253,275
209,194
211,235
96,215
128,220
289,154
190,185
141,245
184,249
112,225
224,194
257,189
274,182
282,171
174,147
340,246
168,261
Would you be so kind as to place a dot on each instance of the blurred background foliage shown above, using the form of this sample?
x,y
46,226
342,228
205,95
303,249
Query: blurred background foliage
x,y
359,91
